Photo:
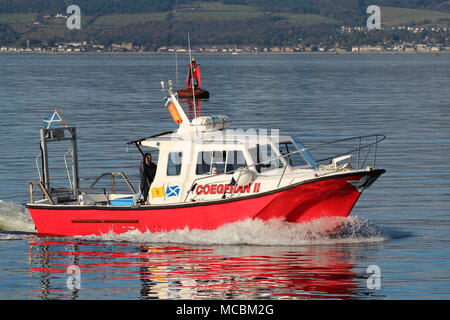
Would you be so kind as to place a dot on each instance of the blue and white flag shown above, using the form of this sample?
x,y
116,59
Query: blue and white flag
x,y
173,191
55,118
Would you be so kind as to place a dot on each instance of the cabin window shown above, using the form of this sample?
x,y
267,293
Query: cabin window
x,y
203,163
294,160
174,163
308,157
265,158
219,162
235,160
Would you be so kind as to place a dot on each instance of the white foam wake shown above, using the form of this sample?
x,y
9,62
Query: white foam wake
x,y
258,232
14,217
15,236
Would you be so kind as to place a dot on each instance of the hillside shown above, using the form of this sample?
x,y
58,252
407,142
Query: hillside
x,y
152,23
396,16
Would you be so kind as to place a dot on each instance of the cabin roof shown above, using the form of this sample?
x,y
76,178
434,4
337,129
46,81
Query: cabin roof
x,y
207,137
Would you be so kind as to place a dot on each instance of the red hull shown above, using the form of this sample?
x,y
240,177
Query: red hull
x,y
324,197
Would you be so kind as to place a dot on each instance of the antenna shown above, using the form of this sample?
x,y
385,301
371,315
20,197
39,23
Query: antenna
x,y
192,76
176,69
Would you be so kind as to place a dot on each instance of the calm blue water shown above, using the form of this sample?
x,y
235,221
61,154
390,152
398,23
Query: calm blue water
x,y
400,224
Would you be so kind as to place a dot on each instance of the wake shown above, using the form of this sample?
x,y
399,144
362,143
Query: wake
x,y
14,217
265,233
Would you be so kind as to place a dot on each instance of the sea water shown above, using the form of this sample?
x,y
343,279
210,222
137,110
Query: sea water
x,y
400,224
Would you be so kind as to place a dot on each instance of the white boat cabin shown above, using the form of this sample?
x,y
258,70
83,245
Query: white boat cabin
x,y
204,161
195,167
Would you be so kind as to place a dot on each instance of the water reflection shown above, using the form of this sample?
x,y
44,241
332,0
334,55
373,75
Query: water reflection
x,y
129,271
194,108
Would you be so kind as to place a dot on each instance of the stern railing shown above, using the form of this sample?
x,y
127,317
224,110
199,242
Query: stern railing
x,y
113,176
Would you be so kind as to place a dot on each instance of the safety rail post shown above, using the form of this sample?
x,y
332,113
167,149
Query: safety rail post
x,y
31,192
43,190
359,153
284,170
124,177
367,155
113,183
375,155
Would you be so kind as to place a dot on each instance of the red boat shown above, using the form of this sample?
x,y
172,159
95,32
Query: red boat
x,y
208,176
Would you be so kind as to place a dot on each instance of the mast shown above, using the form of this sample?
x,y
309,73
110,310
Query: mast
x,y
192,76
176,70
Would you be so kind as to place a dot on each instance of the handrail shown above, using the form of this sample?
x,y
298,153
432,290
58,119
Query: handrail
x,y
67,167
378,138
37,167
112,175
347,139
43,190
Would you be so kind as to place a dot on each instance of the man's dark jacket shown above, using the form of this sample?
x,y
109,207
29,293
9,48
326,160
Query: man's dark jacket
x,y
147,173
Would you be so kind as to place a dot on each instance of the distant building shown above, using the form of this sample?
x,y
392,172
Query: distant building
x,y
367,49
436,48
122,46
422,48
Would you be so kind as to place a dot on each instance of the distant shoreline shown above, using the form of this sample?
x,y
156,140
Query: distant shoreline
x,y
222,53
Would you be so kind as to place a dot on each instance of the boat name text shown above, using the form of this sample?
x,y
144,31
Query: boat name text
x,y
227,188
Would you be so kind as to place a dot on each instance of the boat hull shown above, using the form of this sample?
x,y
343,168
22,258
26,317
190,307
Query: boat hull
x,y
319,198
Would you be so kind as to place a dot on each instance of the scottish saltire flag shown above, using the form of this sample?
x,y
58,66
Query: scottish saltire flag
x,y
173,191
55,118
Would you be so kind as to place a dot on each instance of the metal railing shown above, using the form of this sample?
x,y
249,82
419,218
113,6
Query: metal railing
x,y
43,190
113,176
360,139
362,144
55,192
